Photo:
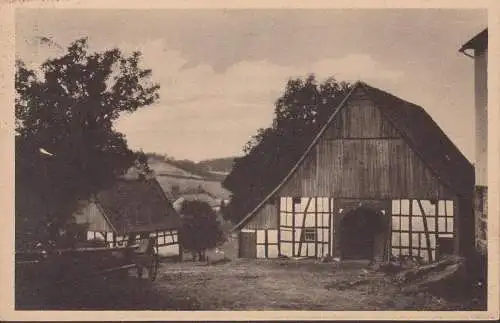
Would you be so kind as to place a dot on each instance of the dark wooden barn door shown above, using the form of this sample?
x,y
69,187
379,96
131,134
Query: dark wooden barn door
x,y
359,230
248,244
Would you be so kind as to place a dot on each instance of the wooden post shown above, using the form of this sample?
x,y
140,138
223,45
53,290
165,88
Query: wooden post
x,y
266,246
331,245
302,235
279,225
293,227
316,226
388,238
410,228
426,229
436,228
445,217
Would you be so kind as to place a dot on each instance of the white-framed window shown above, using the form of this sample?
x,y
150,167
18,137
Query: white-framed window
x,y
310,234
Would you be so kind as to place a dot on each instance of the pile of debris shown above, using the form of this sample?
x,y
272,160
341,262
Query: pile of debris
x,y
448,278
434,276
398,264
328,259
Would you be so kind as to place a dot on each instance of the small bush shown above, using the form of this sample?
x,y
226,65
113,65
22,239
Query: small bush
x,y
200,230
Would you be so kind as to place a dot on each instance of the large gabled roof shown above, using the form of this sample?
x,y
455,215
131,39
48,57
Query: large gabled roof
x,y
418,129
137,205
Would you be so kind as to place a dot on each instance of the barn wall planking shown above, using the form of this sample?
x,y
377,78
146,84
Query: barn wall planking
x,y
363,159
366,168
266,218
360,119
92,215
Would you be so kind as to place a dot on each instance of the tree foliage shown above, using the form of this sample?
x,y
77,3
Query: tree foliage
x,y
68,109
200,230
299,114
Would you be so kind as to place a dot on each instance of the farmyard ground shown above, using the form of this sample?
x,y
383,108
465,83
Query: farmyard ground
x,y
247,285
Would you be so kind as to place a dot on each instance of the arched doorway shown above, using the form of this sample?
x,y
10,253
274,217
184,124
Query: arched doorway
x,y
362,232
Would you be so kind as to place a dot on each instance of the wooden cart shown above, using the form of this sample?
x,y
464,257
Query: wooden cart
x,y
67,265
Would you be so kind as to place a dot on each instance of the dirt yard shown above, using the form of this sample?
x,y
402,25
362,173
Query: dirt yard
x,y
249,285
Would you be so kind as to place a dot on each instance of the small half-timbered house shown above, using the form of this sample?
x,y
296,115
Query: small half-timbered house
x,y
380,179
128,209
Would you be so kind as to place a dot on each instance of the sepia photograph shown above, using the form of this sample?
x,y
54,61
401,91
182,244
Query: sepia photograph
x,y
246,159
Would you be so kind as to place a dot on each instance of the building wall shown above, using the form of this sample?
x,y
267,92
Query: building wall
x,y
360,157
90,214
481,165
99,229
266,218
168,243
481,123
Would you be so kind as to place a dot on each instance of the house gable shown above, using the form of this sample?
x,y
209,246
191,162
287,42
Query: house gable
x,y
360,119
362,152
92,215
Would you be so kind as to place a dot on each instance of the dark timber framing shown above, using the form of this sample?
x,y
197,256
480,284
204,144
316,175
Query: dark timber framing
x,y
115,240
426,229
303,227
266,245
316,225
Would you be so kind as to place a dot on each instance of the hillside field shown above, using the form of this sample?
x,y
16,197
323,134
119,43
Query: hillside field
x,y
215,188
171,175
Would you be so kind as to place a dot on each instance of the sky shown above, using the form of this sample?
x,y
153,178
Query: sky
x,y
221,71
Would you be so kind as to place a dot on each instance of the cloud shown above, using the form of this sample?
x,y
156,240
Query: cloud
x,y
203,113
355,67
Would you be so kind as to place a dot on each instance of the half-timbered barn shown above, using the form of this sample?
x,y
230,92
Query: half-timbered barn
x,y
129,209
380,179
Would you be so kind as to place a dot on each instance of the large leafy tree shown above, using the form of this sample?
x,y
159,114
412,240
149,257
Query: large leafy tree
x,y
66,146
299,113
